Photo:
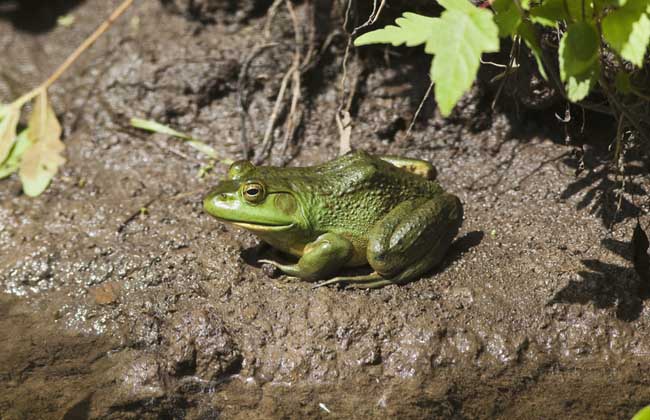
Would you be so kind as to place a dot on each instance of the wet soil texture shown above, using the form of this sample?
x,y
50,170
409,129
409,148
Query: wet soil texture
x,y
120,298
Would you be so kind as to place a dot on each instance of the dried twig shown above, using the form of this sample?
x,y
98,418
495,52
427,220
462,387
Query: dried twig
x,y
241,94
343,118
417,111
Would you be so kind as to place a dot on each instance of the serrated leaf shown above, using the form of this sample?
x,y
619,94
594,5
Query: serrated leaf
x,y
463,37
412,29
578,50
507,17
627,30
528,33
549,13
643,414
12,163
623,83
8,126
458,5
157,127
42,159
578,86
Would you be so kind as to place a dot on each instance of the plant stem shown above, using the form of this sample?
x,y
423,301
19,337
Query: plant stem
x,y
75,54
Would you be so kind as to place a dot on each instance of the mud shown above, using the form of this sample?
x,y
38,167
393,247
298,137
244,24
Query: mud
x,y
111,312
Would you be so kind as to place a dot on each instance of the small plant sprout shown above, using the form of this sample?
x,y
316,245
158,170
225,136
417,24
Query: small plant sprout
x,y
159,128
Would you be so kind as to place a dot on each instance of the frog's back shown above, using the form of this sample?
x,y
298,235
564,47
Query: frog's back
x,y
357,189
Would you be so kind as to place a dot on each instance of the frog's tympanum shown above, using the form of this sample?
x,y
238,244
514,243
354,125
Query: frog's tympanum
x,y
359,209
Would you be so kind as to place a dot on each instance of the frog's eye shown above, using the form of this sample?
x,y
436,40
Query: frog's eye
x,y
254,192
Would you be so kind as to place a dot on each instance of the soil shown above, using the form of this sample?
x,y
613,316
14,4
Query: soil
x,y
120,298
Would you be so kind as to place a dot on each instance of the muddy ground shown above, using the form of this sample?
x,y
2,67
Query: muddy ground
x,y
537,311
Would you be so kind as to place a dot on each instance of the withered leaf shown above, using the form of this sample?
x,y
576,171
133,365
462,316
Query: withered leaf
x,y
8,124
42,160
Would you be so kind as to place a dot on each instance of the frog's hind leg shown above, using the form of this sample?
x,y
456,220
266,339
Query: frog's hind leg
x,y
414,237
415,166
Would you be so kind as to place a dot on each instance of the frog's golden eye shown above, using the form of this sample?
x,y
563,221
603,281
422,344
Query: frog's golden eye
x,y
254,192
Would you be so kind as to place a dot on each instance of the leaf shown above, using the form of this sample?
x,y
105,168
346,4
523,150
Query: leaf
x,y
528,33
12,163
623,83
157,127
458,5
549,13
643,414
457,39
507,17
412,29
578,49
576,10
465,33
627,30
578,86
42,159
8,125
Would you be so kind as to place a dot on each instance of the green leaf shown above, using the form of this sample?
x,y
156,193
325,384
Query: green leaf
x,y
627,30
643,414
578,50
12,163
458,5
8,126
41,161
528,33
576,11
578,86
466,32
623,83
412,30
549,13
601,4
156,127
507,17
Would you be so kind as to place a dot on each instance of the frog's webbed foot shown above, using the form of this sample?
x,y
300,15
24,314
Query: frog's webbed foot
x,y
369,281
321,258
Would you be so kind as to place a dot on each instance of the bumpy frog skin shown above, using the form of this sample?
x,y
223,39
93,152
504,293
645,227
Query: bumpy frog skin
x,y
359,209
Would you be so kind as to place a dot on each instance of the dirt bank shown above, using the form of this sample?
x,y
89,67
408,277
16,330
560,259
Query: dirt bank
x,y
109,313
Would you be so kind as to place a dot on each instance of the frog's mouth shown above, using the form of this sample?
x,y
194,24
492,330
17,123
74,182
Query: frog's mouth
x,y
258,227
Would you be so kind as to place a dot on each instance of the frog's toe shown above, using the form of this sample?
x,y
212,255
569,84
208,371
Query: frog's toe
x,y
273,263
354,281
371,285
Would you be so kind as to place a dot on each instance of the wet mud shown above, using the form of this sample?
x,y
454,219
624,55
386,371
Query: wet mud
x,y
108,311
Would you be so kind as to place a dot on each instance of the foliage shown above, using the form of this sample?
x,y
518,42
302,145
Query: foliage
x,y
588,28
456,39
156,127
643,414
35,153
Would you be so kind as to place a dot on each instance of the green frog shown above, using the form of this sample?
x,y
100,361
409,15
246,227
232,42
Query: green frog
x,y
384,211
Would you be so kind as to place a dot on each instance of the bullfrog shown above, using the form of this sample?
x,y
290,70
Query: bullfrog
x,y
359,209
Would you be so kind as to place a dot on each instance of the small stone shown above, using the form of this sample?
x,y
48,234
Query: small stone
x,y
106,293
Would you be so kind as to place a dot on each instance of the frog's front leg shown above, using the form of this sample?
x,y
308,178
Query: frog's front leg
x,y
321,258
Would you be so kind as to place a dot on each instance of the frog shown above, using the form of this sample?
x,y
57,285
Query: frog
x,y
386,212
